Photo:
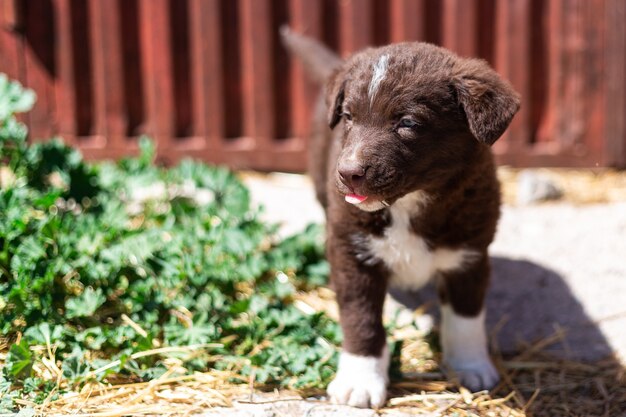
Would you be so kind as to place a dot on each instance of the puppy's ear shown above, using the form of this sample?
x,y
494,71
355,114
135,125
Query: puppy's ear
x,y
335,89
489,101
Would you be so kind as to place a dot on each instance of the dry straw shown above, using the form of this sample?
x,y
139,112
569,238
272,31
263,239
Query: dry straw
x,y
536,385
533,384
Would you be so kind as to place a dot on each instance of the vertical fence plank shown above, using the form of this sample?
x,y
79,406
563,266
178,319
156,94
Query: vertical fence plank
x,y
39,65
11,49
512,61
485,29
408,20
12,55
282,76
592,68
134,89
206,67
547,129
65,88
538,70
257,71
179,30
157,71
615,142
460,31
306,17
572,123
9,14
231,55
355,25
110,122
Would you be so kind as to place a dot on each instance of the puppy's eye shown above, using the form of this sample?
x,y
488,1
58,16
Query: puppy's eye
x,y
406,122
347,115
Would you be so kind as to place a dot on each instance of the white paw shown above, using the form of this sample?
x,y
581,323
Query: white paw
x,y
361,381
360,392
476,376
464,344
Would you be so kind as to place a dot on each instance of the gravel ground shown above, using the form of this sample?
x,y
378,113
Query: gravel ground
x,y
297,408
556,267
563,265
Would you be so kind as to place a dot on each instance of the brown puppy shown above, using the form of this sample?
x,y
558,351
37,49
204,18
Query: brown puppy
x,y
402,165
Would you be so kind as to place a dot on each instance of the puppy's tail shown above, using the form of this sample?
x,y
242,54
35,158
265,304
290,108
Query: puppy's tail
x,y
319,61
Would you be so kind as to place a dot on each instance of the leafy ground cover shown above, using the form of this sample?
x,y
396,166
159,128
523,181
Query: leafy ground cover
x,y
131,289
100,264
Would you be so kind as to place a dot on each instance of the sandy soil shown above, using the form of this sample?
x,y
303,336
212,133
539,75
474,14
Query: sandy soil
x,y
557,267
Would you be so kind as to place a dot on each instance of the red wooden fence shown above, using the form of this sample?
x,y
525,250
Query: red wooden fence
x,y
209,78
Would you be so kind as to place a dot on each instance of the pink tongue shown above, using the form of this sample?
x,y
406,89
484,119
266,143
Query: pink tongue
x,y
355,198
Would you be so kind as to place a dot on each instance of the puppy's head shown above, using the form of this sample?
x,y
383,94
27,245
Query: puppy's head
x,y
412,116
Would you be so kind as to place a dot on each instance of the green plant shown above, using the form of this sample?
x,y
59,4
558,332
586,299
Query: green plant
x,y
99,262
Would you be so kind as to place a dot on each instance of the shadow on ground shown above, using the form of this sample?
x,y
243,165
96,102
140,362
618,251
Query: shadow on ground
x,y
532,303
562,359
527,303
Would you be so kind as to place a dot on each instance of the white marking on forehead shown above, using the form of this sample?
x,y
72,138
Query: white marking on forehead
x,y
380,70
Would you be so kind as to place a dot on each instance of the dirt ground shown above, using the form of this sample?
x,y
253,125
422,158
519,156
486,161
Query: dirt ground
x,y
559,283
556,315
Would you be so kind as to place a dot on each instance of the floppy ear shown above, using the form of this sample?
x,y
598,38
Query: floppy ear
x,y
489,101
335,89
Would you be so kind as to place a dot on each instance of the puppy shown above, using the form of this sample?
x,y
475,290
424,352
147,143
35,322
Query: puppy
x,y
402,165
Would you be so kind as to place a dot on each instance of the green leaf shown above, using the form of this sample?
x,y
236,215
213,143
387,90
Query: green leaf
x,y
19,362
14,98
75,367
86,304
43,334
147,151
92,338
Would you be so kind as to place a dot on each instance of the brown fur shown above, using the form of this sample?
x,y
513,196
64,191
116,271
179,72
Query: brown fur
x,y
461,106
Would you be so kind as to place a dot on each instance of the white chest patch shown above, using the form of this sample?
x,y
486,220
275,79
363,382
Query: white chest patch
x,y
406,254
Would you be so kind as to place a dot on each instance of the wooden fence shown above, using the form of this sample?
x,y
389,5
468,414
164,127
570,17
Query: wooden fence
x,y
209,78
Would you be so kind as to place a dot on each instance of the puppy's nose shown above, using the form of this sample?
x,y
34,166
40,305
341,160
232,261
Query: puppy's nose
x,y
351,173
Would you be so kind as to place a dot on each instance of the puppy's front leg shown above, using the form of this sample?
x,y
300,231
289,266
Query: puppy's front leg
x,y
463,335
362,377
